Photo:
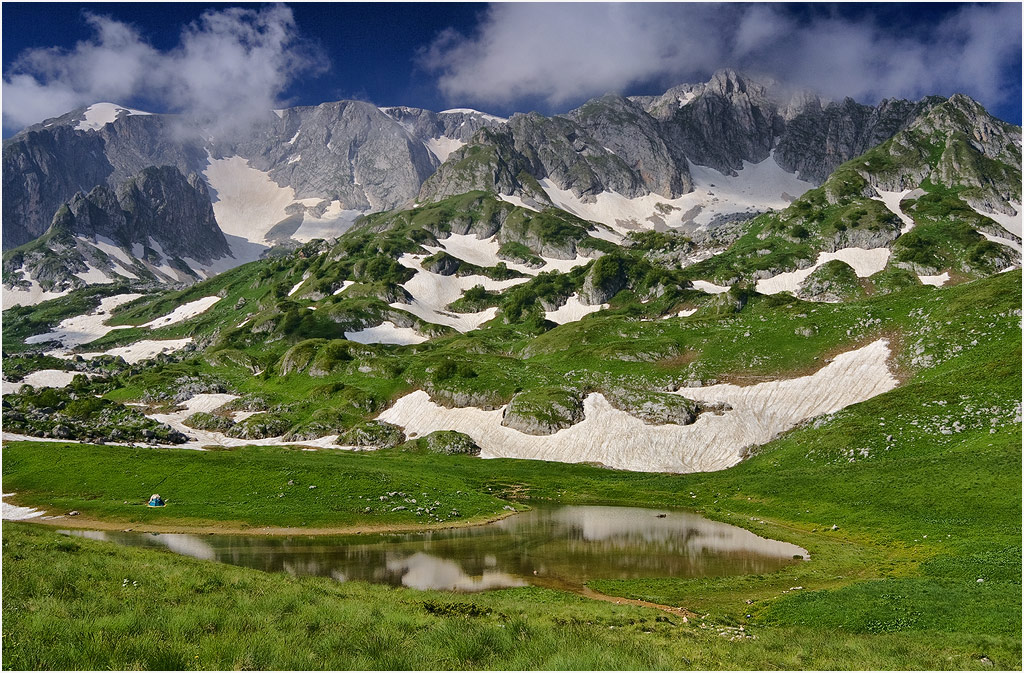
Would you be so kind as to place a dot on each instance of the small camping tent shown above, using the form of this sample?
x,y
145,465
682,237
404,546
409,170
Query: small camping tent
x,y
156,501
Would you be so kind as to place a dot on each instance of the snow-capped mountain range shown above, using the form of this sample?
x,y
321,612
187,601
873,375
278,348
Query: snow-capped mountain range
x,y
690,160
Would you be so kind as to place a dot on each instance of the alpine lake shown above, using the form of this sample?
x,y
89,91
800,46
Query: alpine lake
x,y
555,547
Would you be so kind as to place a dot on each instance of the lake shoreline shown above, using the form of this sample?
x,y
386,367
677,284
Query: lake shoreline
x,y
239,528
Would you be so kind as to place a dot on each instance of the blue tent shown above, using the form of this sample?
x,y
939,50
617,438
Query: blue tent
x,y
156,501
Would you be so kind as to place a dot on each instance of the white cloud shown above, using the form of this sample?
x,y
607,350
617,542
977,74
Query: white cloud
x,y
229,67
562,53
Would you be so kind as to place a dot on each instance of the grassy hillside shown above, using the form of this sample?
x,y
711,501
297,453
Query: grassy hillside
x,y
904,502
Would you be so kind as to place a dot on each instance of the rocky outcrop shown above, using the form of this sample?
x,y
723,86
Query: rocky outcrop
x,y
175,211
820,138
624,127
653,408
543,411
510,159
450,442
833,281
604,280
731,119
375,434
158,207
41,171
345,150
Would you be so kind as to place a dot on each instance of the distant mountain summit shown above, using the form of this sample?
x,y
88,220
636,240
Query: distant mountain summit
x,y
693,159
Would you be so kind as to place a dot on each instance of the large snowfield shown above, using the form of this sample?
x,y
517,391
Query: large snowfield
x,y
757,187
714,442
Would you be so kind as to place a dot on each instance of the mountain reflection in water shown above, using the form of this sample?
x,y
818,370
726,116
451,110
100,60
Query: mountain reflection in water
x,y
562,547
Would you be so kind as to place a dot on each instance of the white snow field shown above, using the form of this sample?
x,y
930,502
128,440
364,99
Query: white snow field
x,y
484,252
892,202
42,378
142,350
386,333
82,329
516,201
865,262
99,115
937,281
183,312
442,147
756,187
248,204
572,310
470,111
209,402
29,296
1001,241
116,255
714,442
710,288
1012,223
9,512
433,292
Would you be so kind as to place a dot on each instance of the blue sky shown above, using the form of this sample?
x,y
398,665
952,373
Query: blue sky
x,y
229,59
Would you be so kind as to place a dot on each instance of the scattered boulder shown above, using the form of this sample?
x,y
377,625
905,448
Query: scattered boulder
x,y
377,434
653,408
543,411
259,426
450,442
202,420
833,281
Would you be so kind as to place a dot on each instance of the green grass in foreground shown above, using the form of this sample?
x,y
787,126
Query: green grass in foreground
x,y
180,613
923,483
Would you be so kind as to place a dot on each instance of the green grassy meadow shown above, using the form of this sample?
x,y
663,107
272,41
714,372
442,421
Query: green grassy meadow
x,y
904,502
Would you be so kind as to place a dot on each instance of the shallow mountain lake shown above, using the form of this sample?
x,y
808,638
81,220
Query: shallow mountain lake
x,y
559,547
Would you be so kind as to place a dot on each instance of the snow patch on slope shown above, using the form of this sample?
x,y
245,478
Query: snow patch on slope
x,y
82,329
1001,241
143,350
9,512
99,115
116,254
865,262
710,288
92,275
484,252
713,442
442,147
201,438
572,310
433,292
935,281
248,203
1012,223
386,333
183,312
892,202
30,296
516,201
42,378
470,111
757,187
